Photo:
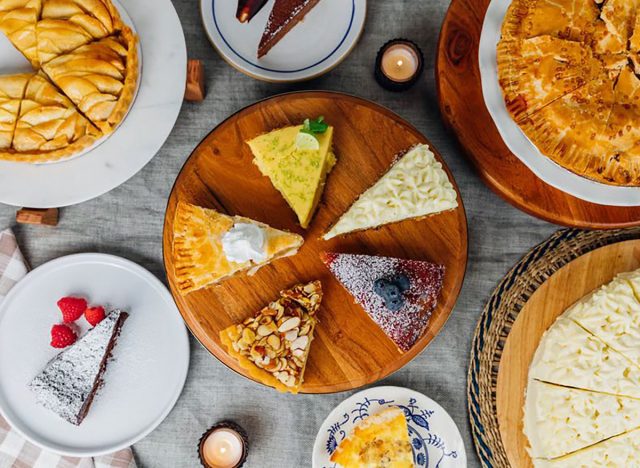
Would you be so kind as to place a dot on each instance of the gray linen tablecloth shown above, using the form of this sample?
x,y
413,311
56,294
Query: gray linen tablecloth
x,y
128,222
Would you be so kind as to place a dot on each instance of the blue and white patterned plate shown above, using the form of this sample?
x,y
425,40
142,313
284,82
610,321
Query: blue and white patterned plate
x,y
435,438
320,42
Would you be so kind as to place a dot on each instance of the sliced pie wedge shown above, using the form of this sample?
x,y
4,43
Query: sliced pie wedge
x,y
49,127
100,78
619,17
18,20
11,93
380,440
398,295
299,175
274,344
560,420
283,17
535,72
199,256
616,452
65,25
569,355
415,186
69,382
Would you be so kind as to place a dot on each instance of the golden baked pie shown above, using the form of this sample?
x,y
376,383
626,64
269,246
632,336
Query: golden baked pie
x,y
568,72
380,440
48,126
11,93
100,78
86,74
209,246
274,344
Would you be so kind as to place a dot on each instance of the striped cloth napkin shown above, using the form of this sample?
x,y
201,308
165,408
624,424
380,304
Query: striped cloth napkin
x,y
15,452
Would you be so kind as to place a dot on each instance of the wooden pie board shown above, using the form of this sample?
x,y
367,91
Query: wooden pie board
x,y
463,109
349,350
551,299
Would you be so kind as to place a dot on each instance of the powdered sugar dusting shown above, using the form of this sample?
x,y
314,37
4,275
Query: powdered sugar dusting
x,y
276,22
67,381
358,273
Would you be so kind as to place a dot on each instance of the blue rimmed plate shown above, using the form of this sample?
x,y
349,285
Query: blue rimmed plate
x,y
435,438
320,42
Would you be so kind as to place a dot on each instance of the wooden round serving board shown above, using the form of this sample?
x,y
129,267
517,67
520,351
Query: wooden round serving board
x,y
569,284
462,105
349,350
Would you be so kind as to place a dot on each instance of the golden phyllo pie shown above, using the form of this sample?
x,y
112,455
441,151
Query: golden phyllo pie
x,y
18,20
209,246
65,25
274,344
100,78
568,70
11,92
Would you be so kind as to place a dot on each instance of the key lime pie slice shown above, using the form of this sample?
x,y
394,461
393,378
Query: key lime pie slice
x,y
416,186
297,167
274,344
209,246
560,420
381,440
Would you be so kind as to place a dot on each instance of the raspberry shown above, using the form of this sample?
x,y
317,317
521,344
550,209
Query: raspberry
x,y
94,315
72,308
62,336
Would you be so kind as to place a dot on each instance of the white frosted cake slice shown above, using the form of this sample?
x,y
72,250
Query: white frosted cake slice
x,y
68,383
560,420
612,313
618,452
571,356
416,186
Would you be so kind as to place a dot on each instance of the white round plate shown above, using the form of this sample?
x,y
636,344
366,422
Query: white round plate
x,y
313,47
138,138
143,380
515,139
435,438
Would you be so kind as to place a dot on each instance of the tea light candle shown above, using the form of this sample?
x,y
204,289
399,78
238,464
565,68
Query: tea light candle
x,y
398,65
223,446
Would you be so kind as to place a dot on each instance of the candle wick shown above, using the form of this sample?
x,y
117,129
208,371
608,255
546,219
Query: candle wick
x,y
400,62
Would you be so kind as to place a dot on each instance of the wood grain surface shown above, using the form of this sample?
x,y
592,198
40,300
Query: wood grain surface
x,y
463,109
349,349
559,292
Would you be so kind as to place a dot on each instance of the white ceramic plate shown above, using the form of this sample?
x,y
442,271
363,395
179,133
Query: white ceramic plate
x,y
142,382
517,141
320,42
138,138
435,438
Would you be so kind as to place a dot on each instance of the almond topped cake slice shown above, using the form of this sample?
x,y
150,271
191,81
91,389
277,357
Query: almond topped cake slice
x,y
415,186
380,440
274,344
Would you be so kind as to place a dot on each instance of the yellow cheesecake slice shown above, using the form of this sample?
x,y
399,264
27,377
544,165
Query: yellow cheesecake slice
x,y
560,420
12,89
18,20
209,246
274,344
299,175
49,127
416,186
381,440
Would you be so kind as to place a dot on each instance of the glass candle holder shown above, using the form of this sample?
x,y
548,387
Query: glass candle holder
x,y
224,445
399,65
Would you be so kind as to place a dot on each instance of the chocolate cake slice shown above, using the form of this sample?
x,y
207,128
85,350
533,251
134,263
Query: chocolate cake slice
x,y
284,16
69,382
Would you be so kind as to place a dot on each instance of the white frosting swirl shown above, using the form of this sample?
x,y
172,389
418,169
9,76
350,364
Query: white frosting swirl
x,y
245,242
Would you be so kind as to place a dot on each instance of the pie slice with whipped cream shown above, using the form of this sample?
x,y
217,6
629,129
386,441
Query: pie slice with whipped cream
x,y
415,186
298,174
18,20
398,295
274,344
12,89
380,440
560,420
100,78
48,127
209,246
